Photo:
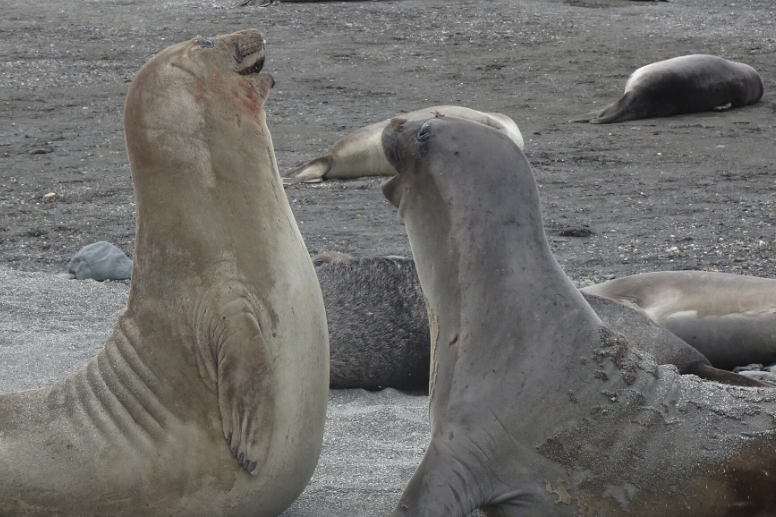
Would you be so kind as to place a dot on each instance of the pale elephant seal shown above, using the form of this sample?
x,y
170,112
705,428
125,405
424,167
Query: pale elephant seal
x,y
685,84
535,407
361,154
731,319
224,335
379,335
330,257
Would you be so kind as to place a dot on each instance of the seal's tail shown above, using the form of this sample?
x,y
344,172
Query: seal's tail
x,y
616,112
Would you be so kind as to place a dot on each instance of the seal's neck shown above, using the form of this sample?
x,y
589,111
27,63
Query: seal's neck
x,y
499,303
491,264
208,201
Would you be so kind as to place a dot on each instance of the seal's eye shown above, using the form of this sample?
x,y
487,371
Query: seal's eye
x,y
204,42
319,262
424,132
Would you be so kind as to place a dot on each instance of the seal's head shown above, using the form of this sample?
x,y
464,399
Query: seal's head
x,y
454,155
204,91
454,173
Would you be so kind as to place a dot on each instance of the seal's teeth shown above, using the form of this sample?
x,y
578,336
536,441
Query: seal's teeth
x,y
255,68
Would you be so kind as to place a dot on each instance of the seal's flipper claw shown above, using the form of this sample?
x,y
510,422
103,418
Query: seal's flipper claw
x,y
245,392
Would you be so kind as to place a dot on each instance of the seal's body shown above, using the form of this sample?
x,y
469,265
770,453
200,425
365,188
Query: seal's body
x,y
731,319
379,335
361,154
209,398
685,84
536,408
378,329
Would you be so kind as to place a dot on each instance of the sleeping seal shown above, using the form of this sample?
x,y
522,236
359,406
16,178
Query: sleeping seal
x,y
379,335
731,319
378,329
685,84
209,397
536,408
361,154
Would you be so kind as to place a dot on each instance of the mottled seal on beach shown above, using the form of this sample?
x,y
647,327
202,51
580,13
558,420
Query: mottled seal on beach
x,y
685,84
536,408
361,154
378,329
209,398
731,319
379,335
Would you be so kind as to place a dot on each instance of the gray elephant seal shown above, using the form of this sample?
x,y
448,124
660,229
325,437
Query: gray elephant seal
x,y
528,388
379,335
731,319
361,154
685,84
224,335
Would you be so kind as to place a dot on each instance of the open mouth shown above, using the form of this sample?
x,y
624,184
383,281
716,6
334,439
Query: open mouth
x,y
255,68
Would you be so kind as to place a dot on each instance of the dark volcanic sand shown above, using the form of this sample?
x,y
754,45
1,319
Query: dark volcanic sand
x,y
694,191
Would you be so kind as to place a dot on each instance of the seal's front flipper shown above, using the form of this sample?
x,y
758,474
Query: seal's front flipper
x,y
245,389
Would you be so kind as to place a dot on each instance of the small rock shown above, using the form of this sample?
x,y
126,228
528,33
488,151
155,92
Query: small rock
x,y
100,261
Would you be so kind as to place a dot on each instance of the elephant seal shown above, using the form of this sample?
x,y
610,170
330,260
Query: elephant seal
x,y
218,367
379,335
329,257
361,154
685,84
536,408
378,330
731,319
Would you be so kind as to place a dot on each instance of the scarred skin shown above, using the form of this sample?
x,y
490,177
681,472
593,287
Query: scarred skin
x,y
219,365
536,408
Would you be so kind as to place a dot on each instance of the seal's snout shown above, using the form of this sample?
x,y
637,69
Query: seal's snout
x,y
249,51
390,142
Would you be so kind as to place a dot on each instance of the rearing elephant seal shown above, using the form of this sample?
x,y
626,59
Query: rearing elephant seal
x,y
361,154
685,84
536,408
218,368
